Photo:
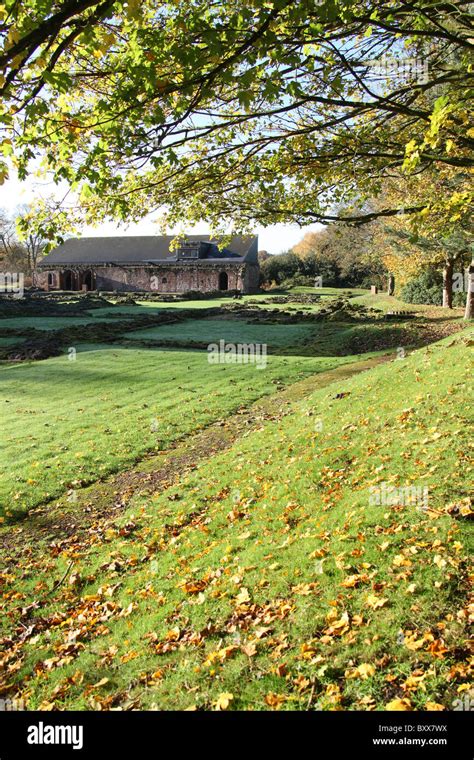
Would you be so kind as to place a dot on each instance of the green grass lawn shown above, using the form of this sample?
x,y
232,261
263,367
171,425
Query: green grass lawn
x,y
232,331
268,578
187,304
67,423
124,311
328,291
9,341
386,303
262,577
48,323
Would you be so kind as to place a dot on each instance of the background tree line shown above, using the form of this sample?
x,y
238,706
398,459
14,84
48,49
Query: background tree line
x,y
19,255
341,255
427,263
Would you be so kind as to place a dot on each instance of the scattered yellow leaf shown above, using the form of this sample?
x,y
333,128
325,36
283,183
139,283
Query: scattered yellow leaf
x,y
375,602
364,671
223,701
399,705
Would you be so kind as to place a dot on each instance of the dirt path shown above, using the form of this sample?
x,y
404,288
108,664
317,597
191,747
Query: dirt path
x,y
70,518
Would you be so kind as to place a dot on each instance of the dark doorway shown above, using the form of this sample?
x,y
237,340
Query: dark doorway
x,y
68,280
89,280
223,281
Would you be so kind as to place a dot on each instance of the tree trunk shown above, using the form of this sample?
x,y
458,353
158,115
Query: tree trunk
x,y
448,285
469,313
391,285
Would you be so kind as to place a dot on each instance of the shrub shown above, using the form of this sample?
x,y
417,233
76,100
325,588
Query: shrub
x,y
297,280
427,288
287,268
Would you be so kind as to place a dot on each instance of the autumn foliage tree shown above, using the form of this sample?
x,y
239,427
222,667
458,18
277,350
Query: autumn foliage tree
x,y
441,239
349,249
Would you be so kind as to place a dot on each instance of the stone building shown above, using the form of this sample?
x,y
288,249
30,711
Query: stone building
x,y
151,263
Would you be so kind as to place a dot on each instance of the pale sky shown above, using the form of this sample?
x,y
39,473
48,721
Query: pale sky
x,y
275,239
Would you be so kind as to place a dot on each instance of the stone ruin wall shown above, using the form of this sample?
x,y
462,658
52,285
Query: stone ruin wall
x,y
176,279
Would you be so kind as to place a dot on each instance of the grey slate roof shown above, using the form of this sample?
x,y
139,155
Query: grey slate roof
x,y
150,249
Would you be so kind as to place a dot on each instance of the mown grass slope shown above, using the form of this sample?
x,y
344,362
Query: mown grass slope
x,y
268,578
66,423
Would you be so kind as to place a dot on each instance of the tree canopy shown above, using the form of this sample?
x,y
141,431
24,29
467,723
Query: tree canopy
x,y
237,110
